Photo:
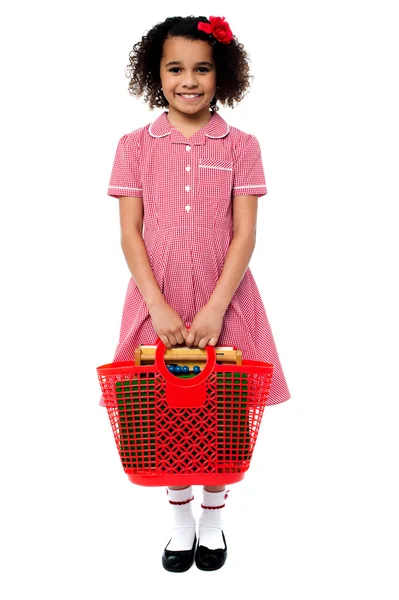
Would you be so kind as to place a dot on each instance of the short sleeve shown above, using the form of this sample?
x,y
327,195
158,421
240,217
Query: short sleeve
x,y
125,177
249,177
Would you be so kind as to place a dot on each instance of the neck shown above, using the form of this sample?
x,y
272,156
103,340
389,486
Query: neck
x,y
197,120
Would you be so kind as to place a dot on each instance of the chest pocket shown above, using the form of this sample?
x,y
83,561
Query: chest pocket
x,y
214,179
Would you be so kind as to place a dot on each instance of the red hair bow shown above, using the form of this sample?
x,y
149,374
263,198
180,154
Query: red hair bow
x,y
219,28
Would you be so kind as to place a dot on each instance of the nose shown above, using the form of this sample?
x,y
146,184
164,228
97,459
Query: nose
x,y
190,80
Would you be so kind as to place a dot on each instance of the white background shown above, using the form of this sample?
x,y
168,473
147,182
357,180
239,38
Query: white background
x,y
316,515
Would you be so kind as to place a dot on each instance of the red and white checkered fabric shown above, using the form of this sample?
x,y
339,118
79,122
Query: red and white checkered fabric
x,y
186,186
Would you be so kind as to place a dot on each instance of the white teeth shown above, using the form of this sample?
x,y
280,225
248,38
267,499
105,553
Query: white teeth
x,y
190,95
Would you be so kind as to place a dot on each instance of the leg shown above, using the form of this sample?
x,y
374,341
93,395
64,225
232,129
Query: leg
x,y
178,554
211,551
214,488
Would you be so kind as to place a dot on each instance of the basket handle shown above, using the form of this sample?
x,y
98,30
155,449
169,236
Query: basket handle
x,y
184,392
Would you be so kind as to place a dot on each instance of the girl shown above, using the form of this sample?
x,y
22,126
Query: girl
x,y
194,182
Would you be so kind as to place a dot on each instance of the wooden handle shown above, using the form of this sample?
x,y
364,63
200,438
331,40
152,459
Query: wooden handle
x,y
187,356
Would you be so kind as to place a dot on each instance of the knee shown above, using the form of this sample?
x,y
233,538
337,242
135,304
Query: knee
x,y
214,488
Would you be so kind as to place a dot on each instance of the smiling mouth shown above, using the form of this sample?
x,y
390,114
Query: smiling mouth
x,y
190,96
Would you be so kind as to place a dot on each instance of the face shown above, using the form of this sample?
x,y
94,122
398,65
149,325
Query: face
x,y
188,76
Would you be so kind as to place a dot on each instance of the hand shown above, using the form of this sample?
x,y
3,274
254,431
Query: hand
x,y
168,324
206,327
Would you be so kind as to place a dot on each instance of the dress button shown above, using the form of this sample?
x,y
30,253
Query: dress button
x,y
188,168
188,148
188,188
188,207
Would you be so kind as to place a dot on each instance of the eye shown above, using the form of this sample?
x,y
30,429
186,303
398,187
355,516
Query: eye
x,y
202,69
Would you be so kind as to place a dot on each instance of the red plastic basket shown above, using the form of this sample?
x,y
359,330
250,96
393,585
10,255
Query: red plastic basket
x,y
173,431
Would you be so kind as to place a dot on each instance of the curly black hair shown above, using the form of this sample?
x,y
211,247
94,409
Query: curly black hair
x,y
231,60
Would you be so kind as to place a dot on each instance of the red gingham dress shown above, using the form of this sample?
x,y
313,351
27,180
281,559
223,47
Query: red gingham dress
x,y
187,185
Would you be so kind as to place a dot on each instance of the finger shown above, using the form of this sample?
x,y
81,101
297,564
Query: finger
x,y
202,343
172,339
196,339
212,341
190,338
179,337
165,341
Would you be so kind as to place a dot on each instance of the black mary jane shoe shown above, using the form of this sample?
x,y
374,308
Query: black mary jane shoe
x,y
210,560
178,561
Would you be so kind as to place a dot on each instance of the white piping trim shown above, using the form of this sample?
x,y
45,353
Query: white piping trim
x,y
239,187
216,137
212,167
123,187
157,136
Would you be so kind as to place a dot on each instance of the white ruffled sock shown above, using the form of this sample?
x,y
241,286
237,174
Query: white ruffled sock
x,y
184,521
210,522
